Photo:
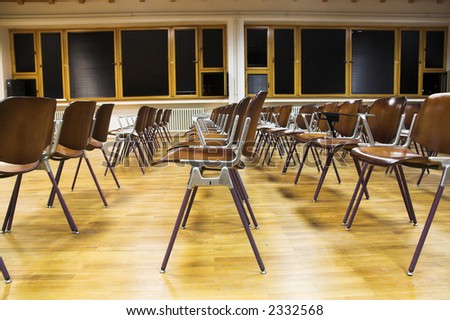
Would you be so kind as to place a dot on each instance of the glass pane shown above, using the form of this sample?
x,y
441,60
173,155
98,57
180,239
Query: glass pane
x,y
24,52
91,64
213,84
21,87
257,48
52,65
434,51
323,61
435,82
284,61
185,59
373,61
145,63
409,63
212,48
256,83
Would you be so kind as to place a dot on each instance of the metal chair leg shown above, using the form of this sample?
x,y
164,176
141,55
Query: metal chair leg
x,y
4,271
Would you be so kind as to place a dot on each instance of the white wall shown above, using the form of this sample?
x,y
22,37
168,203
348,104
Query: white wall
x,y
5,65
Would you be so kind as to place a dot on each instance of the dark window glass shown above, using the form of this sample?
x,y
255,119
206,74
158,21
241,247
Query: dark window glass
x,y
409,62
21,87
434,82
256,83
145,63
185,60
212,48
284,61
257,48
52,65
323,61
24,52
91,64
373,61
434,51
213,84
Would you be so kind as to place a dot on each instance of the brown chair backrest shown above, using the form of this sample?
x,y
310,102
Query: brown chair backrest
x,y
253,112
411,108
241,111
307,110
141,119
327,107
77,125
26,128
231,109
159,113
285,112
102,120
386,117
151,116
346,124
432,129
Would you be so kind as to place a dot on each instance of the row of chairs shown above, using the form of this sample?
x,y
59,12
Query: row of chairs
x,y
27,145
143,136
380,134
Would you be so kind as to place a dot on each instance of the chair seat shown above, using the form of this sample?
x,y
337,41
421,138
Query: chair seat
x,y
305,137
9,169
386,156
331,143
62,152
94,144
290,132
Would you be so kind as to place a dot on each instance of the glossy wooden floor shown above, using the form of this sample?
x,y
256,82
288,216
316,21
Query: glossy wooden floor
x,y
308,254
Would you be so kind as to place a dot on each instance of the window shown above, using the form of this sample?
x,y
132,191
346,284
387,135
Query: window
x,y
323,61
213,75
91,64
185,62
284,61
145,64
409,61
434,49
373,61
24,53
51,57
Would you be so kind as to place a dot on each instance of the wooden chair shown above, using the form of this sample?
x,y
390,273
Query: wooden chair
x,y
225,160
345,127
382,126
24,146
72,137
430,130
99,137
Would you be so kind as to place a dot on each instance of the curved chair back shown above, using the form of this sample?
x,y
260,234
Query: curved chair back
x,y
386,120
307,110
151,116
102,120
254,112
346,124
141,119
26,128
411,108
431,128
77,125
322,124
241,111
158,116
283,118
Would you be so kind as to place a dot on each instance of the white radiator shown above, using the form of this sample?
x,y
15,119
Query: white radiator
x,y
181,118
59,115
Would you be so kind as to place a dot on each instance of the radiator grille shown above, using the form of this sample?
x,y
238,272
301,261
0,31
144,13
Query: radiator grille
x,y
181,118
